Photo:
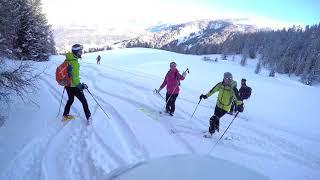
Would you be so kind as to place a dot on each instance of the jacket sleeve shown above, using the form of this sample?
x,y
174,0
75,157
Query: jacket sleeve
x,y
180,77
164,83
214,89
236,96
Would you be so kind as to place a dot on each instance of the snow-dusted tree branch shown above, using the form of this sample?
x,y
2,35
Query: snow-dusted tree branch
x,y
17,79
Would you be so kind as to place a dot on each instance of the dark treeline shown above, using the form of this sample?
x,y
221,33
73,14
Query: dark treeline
x,y
24,35
24,32
293,51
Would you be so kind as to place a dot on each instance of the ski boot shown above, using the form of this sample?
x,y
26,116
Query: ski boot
x,y
211,127
67,117
89,119
211,131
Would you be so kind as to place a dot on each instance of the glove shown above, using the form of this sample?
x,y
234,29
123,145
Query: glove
x,y
240,108
82,86
203,96
184,74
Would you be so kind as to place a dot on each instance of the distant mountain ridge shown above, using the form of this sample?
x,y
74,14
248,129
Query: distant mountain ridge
x,y
195,37
91,36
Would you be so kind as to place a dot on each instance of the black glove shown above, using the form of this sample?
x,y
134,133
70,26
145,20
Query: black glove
x,y
203,96
240,108
82,86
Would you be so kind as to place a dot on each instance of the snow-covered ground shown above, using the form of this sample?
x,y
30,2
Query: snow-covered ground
x,y
277,135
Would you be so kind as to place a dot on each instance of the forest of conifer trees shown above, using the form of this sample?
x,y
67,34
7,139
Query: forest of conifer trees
x,y
24,31
292,51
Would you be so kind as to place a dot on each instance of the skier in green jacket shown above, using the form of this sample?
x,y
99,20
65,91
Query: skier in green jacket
x,y
76,88
227,93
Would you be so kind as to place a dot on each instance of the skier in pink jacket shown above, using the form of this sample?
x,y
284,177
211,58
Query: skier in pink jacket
x,y
172,81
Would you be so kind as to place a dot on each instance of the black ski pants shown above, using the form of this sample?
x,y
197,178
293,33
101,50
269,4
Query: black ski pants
x,y
215,119
171,100
72,92
219,112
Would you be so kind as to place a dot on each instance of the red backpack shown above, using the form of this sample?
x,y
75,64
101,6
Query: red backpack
x,y
63,76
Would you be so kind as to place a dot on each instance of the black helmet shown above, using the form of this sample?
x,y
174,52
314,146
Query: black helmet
x,y
76,48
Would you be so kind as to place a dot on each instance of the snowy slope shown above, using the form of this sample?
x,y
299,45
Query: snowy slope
x,y
276,136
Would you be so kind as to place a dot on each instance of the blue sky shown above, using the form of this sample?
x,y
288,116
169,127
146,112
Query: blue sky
x,y
271,13
304,11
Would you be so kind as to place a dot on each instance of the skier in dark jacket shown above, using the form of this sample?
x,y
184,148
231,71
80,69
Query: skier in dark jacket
x,y
98,59
227,93
244,91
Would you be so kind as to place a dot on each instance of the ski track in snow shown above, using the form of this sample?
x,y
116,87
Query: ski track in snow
x,y
167,125
128,138
29,151
78,138
166,122
129,83
72,145
287,149
76,141
54,137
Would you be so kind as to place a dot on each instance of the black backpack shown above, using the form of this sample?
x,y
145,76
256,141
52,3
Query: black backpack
x,y
245,92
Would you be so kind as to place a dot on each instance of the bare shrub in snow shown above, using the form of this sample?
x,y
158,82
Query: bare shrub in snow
x,y
17,78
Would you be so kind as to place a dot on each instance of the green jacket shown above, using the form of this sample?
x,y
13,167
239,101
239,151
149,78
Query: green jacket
x,y
226,95
74,70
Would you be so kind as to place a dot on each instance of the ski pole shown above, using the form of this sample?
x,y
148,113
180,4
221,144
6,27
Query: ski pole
x,y
223,133
195,110
155,90
98,103
61,101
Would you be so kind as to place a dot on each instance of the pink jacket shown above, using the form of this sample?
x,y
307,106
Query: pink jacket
x,y
172,80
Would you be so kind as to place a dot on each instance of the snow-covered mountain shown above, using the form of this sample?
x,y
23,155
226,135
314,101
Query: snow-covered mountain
x,y
91,36
277,135
196,37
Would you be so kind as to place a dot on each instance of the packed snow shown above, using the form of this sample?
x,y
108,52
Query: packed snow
x,y
277,136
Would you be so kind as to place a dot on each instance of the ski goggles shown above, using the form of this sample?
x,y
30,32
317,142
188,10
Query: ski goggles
x,y
77,48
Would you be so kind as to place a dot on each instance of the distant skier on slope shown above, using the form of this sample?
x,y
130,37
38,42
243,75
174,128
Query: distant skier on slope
x,y
227,93
98,59
76,88
172,81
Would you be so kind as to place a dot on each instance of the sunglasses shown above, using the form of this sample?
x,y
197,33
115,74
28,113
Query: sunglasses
x,y
228,79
